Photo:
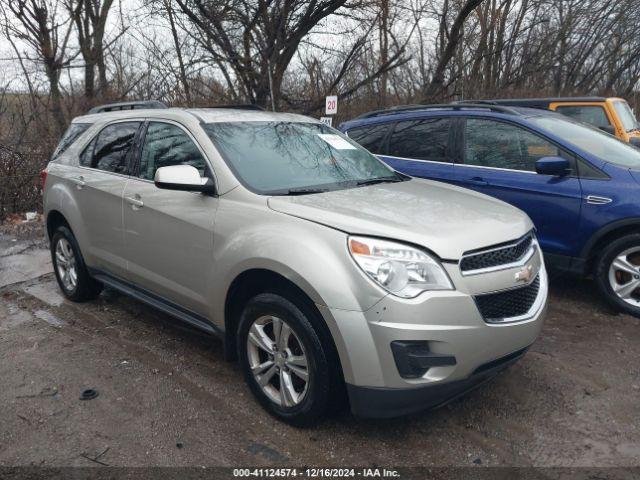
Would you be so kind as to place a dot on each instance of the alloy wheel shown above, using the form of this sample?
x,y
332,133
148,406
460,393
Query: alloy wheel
x,y
66,265
624,276
278,361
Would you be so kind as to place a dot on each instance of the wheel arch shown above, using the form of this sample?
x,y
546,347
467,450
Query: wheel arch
x,y
54,220
61,207
254,281
605,235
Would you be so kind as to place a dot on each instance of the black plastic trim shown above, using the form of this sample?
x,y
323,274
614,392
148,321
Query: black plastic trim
x,y
193,319
413,358
377,402
563,263
542,102
443,106
610,227
207,188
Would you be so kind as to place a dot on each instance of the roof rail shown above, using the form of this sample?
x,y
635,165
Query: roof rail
x,y
111,107
452,106
477,102
240,106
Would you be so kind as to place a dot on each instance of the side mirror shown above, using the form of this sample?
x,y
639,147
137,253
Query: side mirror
x,y
610,129
183,177
555,166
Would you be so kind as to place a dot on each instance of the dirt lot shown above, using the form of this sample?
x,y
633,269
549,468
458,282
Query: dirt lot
x,y
166,396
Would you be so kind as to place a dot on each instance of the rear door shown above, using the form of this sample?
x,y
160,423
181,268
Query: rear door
x,y
100,182
421,148
168,233
498,158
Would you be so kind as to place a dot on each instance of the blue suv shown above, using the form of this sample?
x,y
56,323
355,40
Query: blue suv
x,y
580,186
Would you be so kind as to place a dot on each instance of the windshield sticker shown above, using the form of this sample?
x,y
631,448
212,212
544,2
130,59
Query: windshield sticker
x,y
336,141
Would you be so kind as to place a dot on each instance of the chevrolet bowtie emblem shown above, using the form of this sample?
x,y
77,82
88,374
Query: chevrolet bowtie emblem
x,y
524,274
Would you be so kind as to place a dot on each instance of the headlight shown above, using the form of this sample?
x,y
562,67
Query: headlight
x,y
400,269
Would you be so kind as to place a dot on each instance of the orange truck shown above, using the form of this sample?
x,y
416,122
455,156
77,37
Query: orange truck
x,y
610,114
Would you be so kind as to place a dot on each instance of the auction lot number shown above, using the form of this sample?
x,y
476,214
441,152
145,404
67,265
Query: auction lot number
x,y
316,472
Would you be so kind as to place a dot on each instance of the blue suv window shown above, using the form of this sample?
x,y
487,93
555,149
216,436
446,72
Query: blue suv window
x,y
370,136
489,143
425,139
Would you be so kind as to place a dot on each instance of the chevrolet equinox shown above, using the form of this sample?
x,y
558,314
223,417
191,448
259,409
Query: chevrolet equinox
x,y
327,274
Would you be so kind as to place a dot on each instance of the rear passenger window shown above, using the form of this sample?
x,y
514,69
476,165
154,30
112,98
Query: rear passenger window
x,y
165,145
370,137
110,149
87,154
425,139
70,136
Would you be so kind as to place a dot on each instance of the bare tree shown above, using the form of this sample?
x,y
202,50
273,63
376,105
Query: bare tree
x,y
253,42
178,47
45,30
90,19
449,38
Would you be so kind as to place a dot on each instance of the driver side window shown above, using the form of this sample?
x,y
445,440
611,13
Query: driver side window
x,y
166,144
489,143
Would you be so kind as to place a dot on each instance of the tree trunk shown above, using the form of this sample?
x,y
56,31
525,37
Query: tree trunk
x,y
56,99
176,42
435,88
384,50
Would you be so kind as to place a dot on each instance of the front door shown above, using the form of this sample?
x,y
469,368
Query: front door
x,y
498,159
168,233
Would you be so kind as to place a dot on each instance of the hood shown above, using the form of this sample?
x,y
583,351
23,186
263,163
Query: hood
x,y
445,219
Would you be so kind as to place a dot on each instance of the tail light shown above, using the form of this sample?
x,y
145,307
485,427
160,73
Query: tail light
x,y
43,178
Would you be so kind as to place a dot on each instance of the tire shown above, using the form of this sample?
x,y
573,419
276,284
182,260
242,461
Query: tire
x,y
74,280
315,397
617,282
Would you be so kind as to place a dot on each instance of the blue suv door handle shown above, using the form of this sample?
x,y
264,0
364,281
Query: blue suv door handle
x,y
479,181
596,200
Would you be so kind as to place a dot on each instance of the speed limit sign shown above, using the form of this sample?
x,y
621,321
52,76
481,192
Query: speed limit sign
x,y
331,106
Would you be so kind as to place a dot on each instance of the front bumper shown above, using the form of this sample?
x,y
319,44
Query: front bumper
x,y
449,324
371,402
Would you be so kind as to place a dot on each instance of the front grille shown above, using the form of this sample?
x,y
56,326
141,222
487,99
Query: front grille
x,y
502,306
496,256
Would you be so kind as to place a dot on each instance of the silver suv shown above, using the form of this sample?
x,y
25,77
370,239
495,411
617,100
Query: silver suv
x,y
328,275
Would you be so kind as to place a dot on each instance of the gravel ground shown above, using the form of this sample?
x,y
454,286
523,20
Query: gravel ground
x,y
167,397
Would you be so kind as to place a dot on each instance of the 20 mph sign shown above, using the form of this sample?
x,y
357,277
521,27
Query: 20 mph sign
x,y
331,106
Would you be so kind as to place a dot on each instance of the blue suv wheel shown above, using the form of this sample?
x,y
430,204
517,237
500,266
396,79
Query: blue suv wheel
x,y
617,273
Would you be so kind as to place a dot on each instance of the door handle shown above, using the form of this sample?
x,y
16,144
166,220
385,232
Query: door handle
x,y
597,200
135,202
479,181
79,181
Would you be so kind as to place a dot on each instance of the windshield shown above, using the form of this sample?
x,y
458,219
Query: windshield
x,y
286,158
626,115
604,146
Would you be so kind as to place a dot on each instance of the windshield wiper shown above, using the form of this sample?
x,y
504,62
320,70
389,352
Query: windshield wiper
x,y
305,191
373,181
